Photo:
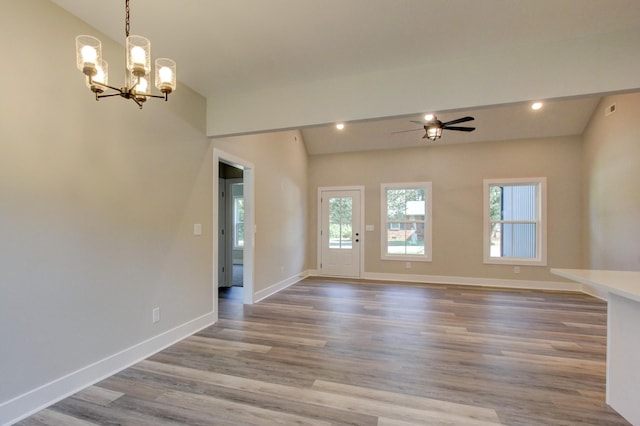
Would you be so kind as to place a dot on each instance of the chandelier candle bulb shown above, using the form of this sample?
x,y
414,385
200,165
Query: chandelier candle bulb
x,y
101,78
142,85
165,77
88,54
140,89
138,55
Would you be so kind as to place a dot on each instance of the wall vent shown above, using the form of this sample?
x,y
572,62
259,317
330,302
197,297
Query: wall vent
x,y
610,109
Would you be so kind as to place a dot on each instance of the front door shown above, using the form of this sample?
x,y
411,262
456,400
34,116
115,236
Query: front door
x,y
340,233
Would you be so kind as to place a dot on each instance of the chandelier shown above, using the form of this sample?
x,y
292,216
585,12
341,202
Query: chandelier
x,y
138,68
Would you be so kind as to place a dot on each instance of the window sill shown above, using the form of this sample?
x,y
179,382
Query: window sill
x,y
515,262
406,258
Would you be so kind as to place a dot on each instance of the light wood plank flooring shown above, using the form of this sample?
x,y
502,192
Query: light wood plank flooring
x,y
337,352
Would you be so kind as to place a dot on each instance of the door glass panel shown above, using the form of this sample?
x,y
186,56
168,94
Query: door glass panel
x,y
340,222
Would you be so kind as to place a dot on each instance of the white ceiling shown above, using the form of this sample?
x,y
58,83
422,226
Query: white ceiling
x,y
228,46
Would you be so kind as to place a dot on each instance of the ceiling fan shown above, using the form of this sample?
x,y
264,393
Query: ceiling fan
x,y
434,127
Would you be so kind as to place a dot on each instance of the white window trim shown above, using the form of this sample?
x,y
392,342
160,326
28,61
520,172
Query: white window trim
x,y
541,223
428,228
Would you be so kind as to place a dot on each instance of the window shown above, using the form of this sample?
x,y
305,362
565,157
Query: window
x,y
514,221
406,221
238,221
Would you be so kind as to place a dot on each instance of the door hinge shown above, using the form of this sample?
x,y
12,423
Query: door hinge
x,y
223,269
222,232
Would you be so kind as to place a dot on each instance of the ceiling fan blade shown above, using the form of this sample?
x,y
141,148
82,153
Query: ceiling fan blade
x,y
461,129
458,120
405,131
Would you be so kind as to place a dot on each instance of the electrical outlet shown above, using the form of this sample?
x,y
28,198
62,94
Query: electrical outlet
x,y
516,269
407,265
156,315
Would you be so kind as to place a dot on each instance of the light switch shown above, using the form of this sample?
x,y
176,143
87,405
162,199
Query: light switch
x,y
369,228
197,229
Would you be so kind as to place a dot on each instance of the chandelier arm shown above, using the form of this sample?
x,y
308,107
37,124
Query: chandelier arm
x,y
133,98
110,95
149,95
106,86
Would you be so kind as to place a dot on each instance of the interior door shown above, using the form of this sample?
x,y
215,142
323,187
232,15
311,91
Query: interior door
x,y
340,233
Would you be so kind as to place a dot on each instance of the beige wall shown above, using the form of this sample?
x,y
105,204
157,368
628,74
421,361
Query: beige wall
x,y
280,172
457,173
97,206
612,185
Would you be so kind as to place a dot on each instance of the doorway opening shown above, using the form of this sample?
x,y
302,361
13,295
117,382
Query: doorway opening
x,y
233,214
230,231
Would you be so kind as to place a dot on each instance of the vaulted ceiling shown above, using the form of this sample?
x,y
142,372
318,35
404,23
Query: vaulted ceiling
x,y
224,47
508,122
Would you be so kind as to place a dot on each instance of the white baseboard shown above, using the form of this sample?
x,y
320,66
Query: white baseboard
x,y
483,282
24,405
273,289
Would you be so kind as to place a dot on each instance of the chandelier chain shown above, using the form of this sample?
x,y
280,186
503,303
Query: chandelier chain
x,y
126,27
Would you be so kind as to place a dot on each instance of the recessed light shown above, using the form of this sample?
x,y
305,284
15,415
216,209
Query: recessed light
x,y
536,106
429,117
340,126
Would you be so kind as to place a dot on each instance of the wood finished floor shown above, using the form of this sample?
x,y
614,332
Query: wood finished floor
x,y
327,352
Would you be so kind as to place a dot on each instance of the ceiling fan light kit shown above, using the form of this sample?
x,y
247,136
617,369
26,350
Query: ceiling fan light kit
x,y
138,68
433,133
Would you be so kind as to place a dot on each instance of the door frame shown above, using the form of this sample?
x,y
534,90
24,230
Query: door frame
x,y
249,222
321,189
